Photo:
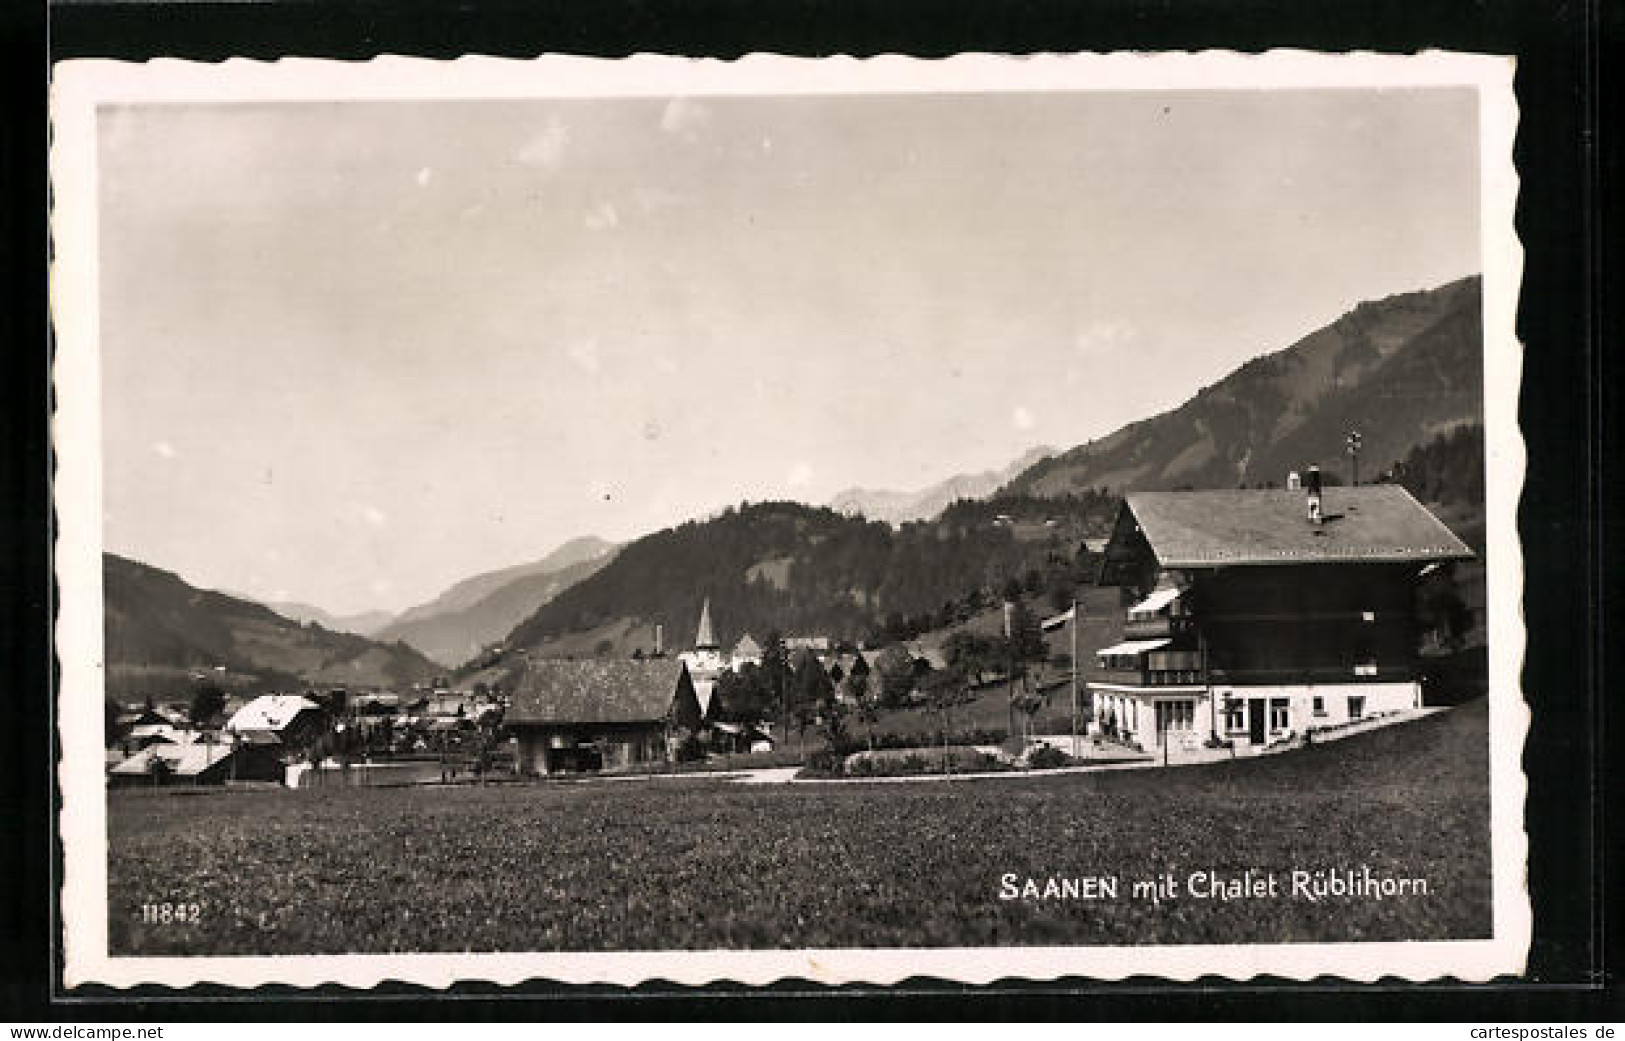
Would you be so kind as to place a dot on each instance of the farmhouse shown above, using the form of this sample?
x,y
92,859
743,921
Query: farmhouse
x,y
600,714
1261,614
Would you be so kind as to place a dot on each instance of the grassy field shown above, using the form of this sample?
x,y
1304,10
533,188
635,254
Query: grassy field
x,y
708,864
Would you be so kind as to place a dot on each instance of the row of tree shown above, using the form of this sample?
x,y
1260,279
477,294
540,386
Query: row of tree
x,y
808,569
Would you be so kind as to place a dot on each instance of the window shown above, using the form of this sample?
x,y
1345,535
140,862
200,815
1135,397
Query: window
x,y
1356,706
1176,715
1235,715
1278,713
1320,705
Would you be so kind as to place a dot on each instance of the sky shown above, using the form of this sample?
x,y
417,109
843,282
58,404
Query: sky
x,y
355,352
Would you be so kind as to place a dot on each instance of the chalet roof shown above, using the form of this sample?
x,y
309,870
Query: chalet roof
x,y
269,712
552,690
1132,647
1155,602
1376,523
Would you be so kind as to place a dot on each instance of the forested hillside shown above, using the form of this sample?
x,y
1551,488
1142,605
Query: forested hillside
x,y
805,569
161,630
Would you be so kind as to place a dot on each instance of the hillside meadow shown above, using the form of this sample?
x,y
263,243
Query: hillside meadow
x,y
701,863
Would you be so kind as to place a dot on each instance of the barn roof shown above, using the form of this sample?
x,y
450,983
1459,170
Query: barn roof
x,y
1376,523
182,760
552,690
269,712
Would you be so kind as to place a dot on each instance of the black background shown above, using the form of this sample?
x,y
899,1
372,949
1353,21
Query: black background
x,y
1568,319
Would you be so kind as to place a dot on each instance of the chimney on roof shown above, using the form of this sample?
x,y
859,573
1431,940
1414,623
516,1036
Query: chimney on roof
x,y
1311,487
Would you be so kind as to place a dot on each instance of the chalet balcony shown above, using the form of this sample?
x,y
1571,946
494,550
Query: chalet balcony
x,y
1148,628
1314,674
1146,677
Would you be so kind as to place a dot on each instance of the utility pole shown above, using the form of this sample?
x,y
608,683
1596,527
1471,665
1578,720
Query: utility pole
x,y
1354,456
1075,675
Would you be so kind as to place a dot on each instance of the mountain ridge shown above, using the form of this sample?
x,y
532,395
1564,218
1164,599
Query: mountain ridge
x,y
1399,370
1402,370
162,632
483,608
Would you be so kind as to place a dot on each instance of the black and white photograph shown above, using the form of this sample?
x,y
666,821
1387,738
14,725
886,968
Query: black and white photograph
x,y
839,519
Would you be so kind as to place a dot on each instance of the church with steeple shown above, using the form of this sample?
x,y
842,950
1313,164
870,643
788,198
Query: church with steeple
x,y
706,659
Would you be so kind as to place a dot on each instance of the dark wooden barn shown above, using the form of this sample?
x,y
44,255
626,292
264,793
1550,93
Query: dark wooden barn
x,y
570,716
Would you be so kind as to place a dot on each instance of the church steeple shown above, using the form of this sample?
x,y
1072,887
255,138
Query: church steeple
x,y
706,640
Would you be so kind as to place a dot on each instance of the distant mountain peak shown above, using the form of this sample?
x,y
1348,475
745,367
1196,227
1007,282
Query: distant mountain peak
x,y
481,609
900,507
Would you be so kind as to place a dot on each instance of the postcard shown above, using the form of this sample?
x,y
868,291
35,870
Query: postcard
x,y
995,518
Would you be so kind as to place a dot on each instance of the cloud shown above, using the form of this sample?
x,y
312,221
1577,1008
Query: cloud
x,y
165,449
374,516
585,354
1103,337
546,150
1022,419
424,176
683,117
799,475
602,217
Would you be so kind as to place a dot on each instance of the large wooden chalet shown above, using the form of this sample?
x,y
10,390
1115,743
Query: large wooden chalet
x,y
1260,614
600,714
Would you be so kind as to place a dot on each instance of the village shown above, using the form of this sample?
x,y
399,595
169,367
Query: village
x,y
1222,623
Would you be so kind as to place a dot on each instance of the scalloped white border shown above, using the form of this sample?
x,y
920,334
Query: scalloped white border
x,y
79,86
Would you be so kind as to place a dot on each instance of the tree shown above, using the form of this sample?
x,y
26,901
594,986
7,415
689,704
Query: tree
x,y
865,706
812,684
1026,641
1062,589
972,654
743,697
775,670
832,727
208,701
1027,702
946,690
896,668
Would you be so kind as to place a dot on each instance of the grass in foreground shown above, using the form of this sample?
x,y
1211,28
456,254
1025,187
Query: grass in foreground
x,y
699,864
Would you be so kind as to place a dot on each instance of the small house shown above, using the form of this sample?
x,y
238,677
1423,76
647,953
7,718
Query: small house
x,y
288,720
600,713
746,652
